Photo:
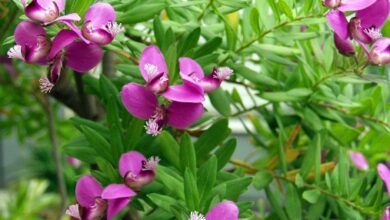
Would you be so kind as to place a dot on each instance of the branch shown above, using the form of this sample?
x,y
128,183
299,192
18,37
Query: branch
x,y
56,154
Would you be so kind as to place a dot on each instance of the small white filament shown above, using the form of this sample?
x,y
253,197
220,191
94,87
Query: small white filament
x,y
196,216
114,28
151,163
16,52
223,73
45,85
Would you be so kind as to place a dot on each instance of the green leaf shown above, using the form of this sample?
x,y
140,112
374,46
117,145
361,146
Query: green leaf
x,y
80,149
191,190
252,76
169,148
208,47
115,129
262,179
100,144
206,177
159,31
275,204
211,138
279,50
236,187
79,7
187,154
231,36
293,203
171,59
254,20
108,89
135,131
311,196
286,9
220,101
162,201
173,183
343,168
141,12
225,152
296,94
189,41
108,170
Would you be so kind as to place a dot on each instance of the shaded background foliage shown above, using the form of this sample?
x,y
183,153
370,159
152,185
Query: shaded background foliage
x,y
303,105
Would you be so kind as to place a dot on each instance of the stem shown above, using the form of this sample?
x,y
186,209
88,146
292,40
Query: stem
x,y
108,64
87,102
56,155
204,10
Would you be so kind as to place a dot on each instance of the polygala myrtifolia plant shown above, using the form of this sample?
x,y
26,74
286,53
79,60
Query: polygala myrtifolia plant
x,y
307,80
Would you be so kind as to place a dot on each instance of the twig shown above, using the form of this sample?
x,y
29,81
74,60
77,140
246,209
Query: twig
x,y
56,155
204,10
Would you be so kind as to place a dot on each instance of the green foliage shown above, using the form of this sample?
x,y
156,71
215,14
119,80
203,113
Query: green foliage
x,y
302,105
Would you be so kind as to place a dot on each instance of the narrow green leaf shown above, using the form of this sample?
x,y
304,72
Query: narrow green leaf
x,y
293,203
208,47
262,179
220,101
169,148
191,190
159,32
253,76
311,196
187,154
211,138
225,152
286,9
206,177
100,144
275,204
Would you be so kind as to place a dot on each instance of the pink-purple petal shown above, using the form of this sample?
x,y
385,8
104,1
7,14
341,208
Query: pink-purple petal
x,y
100,14
26,33
87,189
117,191
83,57
359,160
62,40
190,67
183,115
384,173
138,100
68,17
375,15
189,92
338,22
131,162
152,55
344,46
226,210
355,5
115,206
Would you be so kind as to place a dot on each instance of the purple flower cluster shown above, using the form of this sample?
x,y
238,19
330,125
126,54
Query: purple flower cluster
x,y
95,202
78,49
364,27
182,104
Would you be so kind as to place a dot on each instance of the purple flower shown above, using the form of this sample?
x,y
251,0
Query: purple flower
x,y
190,70
143,103
386,214
226,210
380,51
75,54
32,43
365,26
384,173
136,170
348,5
93,202
47,11
359,160
99,25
